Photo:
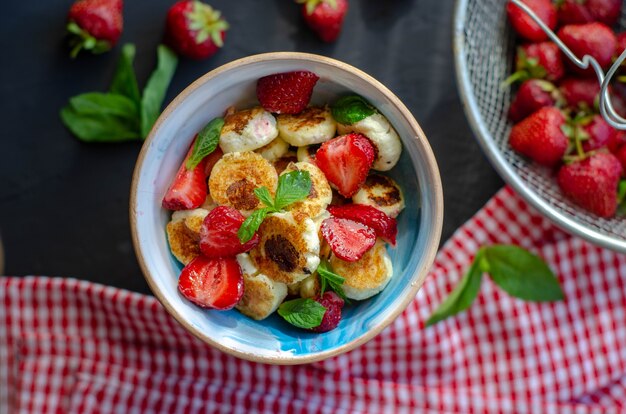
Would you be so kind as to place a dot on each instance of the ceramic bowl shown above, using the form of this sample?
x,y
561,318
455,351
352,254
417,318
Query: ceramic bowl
x,y
273,340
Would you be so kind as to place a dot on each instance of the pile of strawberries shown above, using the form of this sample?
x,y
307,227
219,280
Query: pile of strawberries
x,y
555,110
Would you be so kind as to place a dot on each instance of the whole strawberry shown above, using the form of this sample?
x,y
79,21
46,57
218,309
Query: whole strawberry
x,y
94,25
538,61
525,26
325,17
533,95
580,94
592,183
194,29
596,132
593,39
540,137
333,304
587,11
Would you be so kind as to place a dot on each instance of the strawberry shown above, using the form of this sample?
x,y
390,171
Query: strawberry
x,y
346,160
211,160
587,11
596,132
95,25
385,227
592,183
212,283
349,240
616,141
333,304
525,26
621,156
540,137
189,188
539,61
580,94
218,233
324,17
286,93
593,39
532,95
194,29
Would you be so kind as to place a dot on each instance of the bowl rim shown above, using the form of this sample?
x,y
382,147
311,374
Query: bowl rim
x,y
483,136
419,274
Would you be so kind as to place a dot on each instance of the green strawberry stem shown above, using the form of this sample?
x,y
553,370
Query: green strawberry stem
x,y
82,40
519,76
207,22
312,4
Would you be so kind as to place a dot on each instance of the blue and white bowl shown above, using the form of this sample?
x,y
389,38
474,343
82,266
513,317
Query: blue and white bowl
x,y
273,340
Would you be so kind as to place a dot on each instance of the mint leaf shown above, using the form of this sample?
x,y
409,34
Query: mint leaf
x,y
99,127
334,281
351,109
124,80
252,224
154,92
206,142
292,186
96,103
462,295
303,313
263,194
521,274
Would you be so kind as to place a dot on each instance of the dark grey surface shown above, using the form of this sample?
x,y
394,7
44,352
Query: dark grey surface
x,y
64,204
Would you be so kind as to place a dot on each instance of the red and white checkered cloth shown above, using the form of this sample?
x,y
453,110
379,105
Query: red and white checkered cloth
x,y
69,346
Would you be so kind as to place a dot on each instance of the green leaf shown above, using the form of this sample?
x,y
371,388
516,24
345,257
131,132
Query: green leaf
x,y
263,194
154,92
96,103
206,142
252,224
303,313
462,295
292,186
351,109
99,127
335,281
124,80
521,273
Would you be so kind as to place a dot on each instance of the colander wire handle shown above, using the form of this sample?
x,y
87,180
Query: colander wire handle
x,y
606,108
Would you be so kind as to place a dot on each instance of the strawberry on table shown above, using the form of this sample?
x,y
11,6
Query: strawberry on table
x,y
540,136
212,283
539,61
345,161
385,227
324,17
593,39
194,29
333,304
592,183
525,26
533,95
349,240
94,25
286,93
218,234
189,188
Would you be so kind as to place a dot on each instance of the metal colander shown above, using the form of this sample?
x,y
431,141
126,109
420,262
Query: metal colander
x,y
484,51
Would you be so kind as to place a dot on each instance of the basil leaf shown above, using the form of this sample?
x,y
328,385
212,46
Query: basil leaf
x,y
263,194
334,280
521,274
292,186
154,92
303,313
462,295
124,80
251,224
351,109
96,103
206,142
99,127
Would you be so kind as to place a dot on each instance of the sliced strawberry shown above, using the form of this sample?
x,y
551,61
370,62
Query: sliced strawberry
x,y
212,283
349,240
218,233
385,227
211,160
189,188
345,161
333,304
286,93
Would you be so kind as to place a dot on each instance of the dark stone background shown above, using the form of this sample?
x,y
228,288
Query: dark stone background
x,y
64,204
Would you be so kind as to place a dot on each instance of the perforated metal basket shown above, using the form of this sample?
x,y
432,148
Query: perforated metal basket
x,y
484,48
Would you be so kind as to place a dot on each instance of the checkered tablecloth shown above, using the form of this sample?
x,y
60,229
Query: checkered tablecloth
x,y
69,346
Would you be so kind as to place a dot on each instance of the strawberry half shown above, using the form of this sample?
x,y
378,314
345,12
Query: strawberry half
x,y
525,26
286,93
540,137
385,227
189,188
333,304
218,234
345,161
95,25
325,17
349,240
212,283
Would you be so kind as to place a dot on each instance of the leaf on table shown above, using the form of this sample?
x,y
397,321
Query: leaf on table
x,y
124,80
156,88
99,127
97,103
